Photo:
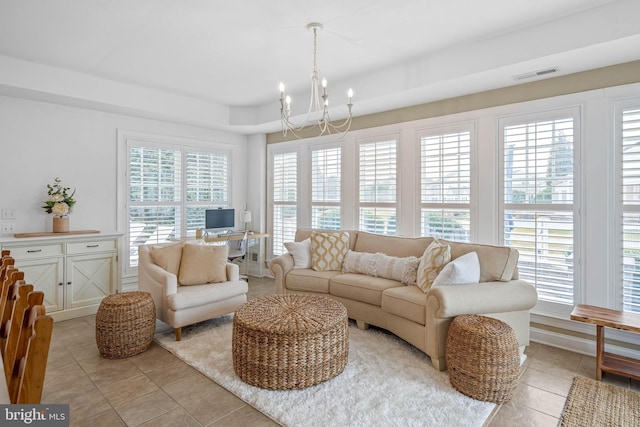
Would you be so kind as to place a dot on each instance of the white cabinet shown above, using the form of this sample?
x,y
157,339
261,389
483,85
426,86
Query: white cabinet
x,y
74,273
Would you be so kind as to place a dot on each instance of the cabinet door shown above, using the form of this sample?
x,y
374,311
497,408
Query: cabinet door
x,y
90,278
46,275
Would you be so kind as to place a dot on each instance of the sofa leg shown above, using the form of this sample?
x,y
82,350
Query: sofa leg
x,y
362,325
439,363
178,332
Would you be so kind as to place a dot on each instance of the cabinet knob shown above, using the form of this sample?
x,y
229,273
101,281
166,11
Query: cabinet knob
x,y
60,284
68,283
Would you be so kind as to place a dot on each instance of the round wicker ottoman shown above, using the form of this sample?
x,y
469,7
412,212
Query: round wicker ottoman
x,y
125,324
483,358
289,341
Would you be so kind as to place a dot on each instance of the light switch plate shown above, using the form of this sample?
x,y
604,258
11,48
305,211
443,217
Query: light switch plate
x,y
9,214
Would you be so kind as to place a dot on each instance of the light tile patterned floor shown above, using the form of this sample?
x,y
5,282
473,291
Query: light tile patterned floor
x,y
157,389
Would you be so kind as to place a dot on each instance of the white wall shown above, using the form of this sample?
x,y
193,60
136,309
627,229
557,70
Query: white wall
x,y
40,141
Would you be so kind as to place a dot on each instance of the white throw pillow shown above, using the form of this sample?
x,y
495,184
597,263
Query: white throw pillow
x,y
301,253
433,260
463,270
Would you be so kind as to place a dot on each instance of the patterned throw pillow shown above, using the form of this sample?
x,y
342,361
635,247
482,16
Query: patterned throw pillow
x,y
435,257
328,250
381,265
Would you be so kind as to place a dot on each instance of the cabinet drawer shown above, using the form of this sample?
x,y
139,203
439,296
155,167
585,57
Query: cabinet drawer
x,y
36,251
91,246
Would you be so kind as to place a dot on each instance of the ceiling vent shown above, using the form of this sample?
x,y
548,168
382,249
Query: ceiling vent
x,y
538,73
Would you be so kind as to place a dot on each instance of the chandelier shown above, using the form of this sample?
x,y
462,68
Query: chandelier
x,y
318,112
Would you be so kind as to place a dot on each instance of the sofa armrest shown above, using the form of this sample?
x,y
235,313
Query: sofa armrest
x,y
233,272
280,266
481,298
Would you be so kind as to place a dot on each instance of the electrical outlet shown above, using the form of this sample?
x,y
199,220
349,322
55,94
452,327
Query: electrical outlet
x,y
9,214
8,227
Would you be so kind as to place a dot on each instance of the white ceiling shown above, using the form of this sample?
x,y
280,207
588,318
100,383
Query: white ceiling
x,y
230,55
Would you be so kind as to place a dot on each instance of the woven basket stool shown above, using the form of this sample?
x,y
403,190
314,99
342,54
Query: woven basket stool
x,y
125,324
288,341
483,358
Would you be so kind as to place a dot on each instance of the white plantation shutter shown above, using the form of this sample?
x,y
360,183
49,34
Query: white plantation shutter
x,y
630,146
538,188
154,196
445,160
377,186
326,170
285,198
207,185
170,186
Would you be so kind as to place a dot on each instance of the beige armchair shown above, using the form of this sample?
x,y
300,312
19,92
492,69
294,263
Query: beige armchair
x,y
161,272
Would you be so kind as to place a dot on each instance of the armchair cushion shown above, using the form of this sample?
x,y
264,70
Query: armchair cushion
x,y
167,257
203,264
206,294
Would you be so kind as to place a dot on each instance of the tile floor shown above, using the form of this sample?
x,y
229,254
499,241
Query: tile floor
x,y
155,388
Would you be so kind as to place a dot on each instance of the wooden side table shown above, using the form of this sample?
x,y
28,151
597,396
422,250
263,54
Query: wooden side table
x,y
602,317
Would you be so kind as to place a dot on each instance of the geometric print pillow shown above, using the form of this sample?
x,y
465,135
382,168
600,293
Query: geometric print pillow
x,y
328,250
435,257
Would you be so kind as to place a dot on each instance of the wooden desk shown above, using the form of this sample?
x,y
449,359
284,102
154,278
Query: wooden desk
x,y
602,317
236,236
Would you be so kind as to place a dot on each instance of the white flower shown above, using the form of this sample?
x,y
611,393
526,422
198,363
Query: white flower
x,y
60,208
56,197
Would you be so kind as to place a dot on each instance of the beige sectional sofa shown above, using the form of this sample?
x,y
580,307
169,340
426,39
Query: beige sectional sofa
x,y
420,318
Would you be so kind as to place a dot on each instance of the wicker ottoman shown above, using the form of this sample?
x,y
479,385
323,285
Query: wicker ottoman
x,y
483,358
289,341
125,324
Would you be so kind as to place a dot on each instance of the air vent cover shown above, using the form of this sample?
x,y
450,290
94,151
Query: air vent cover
x,y
538,73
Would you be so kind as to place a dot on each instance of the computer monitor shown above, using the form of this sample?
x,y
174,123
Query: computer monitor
x,y
219,219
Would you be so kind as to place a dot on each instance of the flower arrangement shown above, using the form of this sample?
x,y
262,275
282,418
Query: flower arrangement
x,y
59,202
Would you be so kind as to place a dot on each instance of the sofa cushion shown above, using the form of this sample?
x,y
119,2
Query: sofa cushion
x,y
463,270
380,265
328,250
197,295
496,262
308,280
301,253
408,302
203,264
167,257
435,257
391,245
359,287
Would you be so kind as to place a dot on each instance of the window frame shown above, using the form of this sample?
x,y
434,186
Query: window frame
x,y
440,131
126,140
358,203
574,112
617,291
325,203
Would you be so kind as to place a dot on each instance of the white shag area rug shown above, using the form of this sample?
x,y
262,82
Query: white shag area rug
x,y
386,382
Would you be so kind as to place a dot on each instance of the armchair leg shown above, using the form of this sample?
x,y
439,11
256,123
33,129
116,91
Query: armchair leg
x,y
178,332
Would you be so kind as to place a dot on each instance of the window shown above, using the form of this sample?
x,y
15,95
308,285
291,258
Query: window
x,y
170,186
630,155
325,188
377,186
445,185
285,199
538,196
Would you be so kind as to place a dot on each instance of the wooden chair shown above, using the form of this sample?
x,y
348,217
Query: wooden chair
x,y
7,300
5,263
27,376
23,299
